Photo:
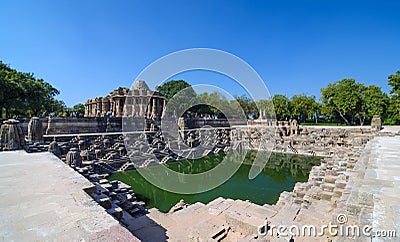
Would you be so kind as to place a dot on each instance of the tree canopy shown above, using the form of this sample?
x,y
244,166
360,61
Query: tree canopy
x,y
393,111
170,88
281,105
248,105
353,101
303,107
344,98
79,108
22,94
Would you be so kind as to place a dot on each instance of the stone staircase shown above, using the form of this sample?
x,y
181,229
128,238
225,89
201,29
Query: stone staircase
x,y
371,198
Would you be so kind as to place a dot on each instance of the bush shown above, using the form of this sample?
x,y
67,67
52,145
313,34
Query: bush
x,y
390,121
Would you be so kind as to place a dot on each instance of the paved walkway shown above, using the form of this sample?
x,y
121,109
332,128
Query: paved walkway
x,y
383,179
42,199
376,195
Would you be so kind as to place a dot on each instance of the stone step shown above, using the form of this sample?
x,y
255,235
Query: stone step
x,y
325,195
340,184
330,178
337,192
219,234
328,187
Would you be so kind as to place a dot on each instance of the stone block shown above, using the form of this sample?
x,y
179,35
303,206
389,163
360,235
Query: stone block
x,y
11,135
330,179
107,186
91,190
114,184
35,130
366,198
105,203
298,200
337,192
325,195
116,212
103,181
340,184
328,187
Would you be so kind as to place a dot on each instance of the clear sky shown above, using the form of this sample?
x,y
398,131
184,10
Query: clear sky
x,y
89,48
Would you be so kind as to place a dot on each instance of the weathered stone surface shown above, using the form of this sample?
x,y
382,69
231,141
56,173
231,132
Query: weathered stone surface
x,y
374,185
35,130
49,203
74,158
376,124
179,206
105,202
55,149
11,135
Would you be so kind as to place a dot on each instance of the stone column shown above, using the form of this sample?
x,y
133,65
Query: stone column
x,y
153,110
55,149
149,107
35,130
163,108
11,135
376,123
73,158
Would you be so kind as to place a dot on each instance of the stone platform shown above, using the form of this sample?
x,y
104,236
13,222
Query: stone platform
x,y
42,199
374,192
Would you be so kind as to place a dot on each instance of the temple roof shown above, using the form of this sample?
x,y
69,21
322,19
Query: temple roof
x,y
140,85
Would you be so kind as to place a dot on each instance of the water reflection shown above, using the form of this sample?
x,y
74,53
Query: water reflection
x,y
281,172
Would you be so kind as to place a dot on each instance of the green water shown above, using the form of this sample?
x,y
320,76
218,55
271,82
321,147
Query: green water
x,y
280,174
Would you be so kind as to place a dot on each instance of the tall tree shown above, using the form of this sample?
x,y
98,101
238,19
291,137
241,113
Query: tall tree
x,y
344,97
394,82
375,102
393,111
58,107
213,103
266,107
248,105
180,97
80,108
21,94
170,88
303,107
281,106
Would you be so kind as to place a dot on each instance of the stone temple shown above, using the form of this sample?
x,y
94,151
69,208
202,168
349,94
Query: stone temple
x,y
144,102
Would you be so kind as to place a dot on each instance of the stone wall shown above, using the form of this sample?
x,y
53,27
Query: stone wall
x,y
73,125
82,125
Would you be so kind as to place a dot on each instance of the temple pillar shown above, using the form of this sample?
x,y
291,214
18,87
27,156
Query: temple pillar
x,y
153,110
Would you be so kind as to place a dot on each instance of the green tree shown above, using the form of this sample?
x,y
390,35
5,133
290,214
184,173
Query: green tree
x,y
303,107
170,88
21,94
281,105
58,107
80,108
38,94
375,102
345,98
180,97
213,103
266,108
393,111
394,82
248,105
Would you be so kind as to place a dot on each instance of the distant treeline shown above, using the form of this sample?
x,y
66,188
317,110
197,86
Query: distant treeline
x,y
345,101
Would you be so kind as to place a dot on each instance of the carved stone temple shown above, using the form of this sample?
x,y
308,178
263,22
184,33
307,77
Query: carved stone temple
x,y
143,102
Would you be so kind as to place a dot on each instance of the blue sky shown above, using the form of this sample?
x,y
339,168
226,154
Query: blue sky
x,y
88,48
